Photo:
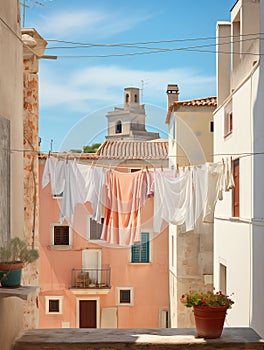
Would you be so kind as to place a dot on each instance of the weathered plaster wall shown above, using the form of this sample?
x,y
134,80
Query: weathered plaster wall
x,y
31,169
11,111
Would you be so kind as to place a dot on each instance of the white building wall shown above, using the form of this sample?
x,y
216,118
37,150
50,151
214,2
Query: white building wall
x,y
239,242
257,316
233,236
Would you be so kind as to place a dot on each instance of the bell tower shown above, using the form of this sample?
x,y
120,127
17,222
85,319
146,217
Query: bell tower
x,y
131,97
128,123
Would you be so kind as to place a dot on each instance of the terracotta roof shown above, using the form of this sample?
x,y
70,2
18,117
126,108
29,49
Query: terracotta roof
x,y
114,149
70,155
210,101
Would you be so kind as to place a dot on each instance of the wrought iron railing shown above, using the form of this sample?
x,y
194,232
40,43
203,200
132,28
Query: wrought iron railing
x,y
91,278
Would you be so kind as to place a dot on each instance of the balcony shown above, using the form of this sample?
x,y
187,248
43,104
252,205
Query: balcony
x,y
91,279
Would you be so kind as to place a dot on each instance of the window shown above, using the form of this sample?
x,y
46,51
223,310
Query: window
x,y
60,235
118,127
236,188
163,318
228,127
95,229
53,304
135,98
125,296
211,126
222,278
127,98
140,250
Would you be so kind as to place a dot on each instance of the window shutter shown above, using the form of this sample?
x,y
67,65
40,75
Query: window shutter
x,y
61,235
236,189
140,251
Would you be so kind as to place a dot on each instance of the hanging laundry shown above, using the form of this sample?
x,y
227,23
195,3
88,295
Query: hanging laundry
x,y
94,179
73,191
200,190
229,182
54,172
173,199
126,193
216,180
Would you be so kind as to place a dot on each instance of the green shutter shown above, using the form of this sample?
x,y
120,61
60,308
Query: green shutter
x,y
140,251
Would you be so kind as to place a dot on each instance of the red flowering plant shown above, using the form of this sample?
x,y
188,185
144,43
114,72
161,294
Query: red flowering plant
x,y
209,298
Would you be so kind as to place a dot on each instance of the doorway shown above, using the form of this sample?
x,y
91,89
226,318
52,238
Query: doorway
x,y
87,312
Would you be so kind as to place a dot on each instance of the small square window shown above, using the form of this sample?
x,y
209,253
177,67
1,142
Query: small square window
x,y
53,304
60,235
125,296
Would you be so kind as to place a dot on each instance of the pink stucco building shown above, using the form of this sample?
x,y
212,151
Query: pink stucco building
x,y
87,283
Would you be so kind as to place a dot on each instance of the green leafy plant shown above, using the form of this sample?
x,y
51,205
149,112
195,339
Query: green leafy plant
x,y
208,298
16,250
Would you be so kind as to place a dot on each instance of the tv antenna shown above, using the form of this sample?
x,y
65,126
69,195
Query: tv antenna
x,y
24,4
143,83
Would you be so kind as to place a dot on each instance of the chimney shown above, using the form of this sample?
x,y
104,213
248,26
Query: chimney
x,y
173,93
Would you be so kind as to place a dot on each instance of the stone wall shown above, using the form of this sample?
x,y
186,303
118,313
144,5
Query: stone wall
x,y
31,170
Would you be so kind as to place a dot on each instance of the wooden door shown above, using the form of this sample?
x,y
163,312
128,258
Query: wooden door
x,y
87,315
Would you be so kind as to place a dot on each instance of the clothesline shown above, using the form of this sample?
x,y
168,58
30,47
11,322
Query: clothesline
x,y
181,196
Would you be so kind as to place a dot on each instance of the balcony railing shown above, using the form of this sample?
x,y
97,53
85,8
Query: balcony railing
x,y
91,278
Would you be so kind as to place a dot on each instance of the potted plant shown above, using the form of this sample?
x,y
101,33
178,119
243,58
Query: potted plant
x,y
209,311
14,254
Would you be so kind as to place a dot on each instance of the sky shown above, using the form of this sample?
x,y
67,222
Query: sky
x,y
145,44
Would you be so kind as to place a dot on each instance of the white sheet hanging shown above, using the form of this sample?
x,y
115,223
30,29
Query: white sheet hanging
x,y
94,179
73,191
54,172
173,200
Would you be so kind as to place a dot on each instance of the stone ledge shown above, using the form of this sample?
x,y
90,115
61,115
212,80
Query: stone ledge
x,y
20,292
121,339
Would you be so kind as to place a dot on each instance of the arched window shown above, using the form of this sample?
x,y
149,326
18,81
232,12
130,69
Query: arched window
x,y
127,98
118,127
135,98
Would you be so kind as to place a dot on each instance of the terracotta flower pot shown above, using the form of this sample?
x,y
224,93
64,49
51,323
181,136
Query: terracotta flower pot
x,y
10,274
209,320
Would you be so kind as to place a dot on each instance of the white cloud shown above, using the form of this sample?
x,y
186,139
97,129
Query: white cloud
x,y
88,24
99,86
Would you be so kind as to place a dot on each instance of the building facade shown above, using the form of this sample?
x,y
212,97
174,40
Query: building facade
x,y
11,164
238,119
87,283
190,253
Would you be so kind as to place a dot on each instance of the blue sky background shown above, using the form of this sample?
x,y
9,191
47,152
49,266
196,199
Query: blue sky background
x,y
76,93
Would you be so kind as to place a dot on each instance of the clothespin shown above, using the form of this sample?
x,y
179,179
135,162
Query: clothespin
x,y
67,159
146,168
161,167
183,168
177,168
223,161
189,166
92,164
